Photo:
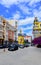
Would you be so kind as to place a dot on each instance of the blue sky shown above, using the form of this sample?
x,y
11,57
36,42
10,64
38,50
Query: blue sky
x,y
22,10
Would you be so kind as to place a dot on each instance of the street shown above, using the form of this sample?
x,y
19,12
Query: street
x,y
26,56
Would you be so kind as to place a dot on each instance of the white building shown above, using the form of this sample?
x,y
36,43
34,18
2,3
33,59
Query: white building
x,y
29,38
7,31
15,24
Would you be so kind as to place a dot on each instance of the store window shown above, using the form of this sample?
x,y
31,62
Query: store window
x,y
40,32
40,24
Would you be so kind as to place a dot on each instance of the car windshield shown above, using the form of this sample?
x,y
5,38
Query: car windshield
x,y
12,45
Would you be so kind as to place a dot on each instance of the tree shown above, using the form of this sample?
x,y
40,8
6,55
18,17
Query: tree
x,y
37,41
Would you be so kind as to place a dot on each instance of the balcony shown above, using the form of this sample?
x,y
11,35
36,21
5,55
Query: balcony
x,y
36,27
1,30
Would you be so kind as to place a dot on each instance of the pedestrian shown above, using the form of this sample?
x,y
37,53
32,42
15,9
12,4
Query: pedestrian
x,y
4,50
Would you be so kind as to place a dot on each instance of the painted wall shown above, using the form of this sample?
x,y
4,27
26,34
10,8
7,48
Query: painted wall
x,y
10,35
29,38
20,39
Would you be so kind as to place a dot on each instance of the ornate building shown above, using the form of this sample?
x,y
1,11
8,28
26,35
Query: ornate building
x,y
36,28
7,31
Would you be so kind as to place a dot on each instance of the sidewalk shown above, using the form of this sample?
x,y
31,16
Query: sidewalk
x,y
3,51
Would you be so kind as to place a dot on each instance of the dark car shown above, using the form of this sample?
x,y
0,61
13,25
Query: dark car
x,y
6,44
1,46
32,44
26,45
38,46
20,45
13,47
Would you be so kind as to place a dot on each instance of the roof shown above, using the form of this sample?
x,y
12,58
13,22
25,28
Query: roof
x,y
20,34
28,36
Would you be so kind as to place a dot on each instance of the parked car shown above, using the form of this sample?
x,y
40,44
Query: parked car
x,y
6,44
38,46
26,45
1,46
21,46
32,44
13,47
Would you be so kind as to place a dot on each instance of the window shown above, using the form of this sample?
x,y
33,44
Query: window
x,y
36,32
40,24
1,28
40,32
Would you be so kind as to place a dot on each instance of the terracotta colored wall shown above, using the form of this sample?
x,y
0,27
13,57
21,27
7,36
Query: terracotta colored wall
x,y
10,35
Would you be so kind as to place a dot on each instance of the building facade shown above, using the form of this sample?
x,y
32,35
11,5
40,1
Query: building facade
x,y
15,23
29,38
36,28
20,39
7,31
1,30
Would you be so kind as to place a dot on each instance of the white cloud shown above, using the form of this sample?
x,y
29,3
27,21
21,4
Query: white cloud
x,y
28,20
30,34
37,13
7,10
33,2
25,21
27,33
27,28
10,2
40,8
16,16
24,8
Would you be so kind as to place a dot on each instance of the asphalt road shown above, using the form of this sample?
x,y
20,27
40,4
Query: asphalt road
x,y
26,56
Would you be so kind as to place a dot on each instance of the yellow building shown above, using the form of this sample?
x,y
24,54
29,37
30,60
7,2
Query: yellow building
x,y
20,39
36,28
